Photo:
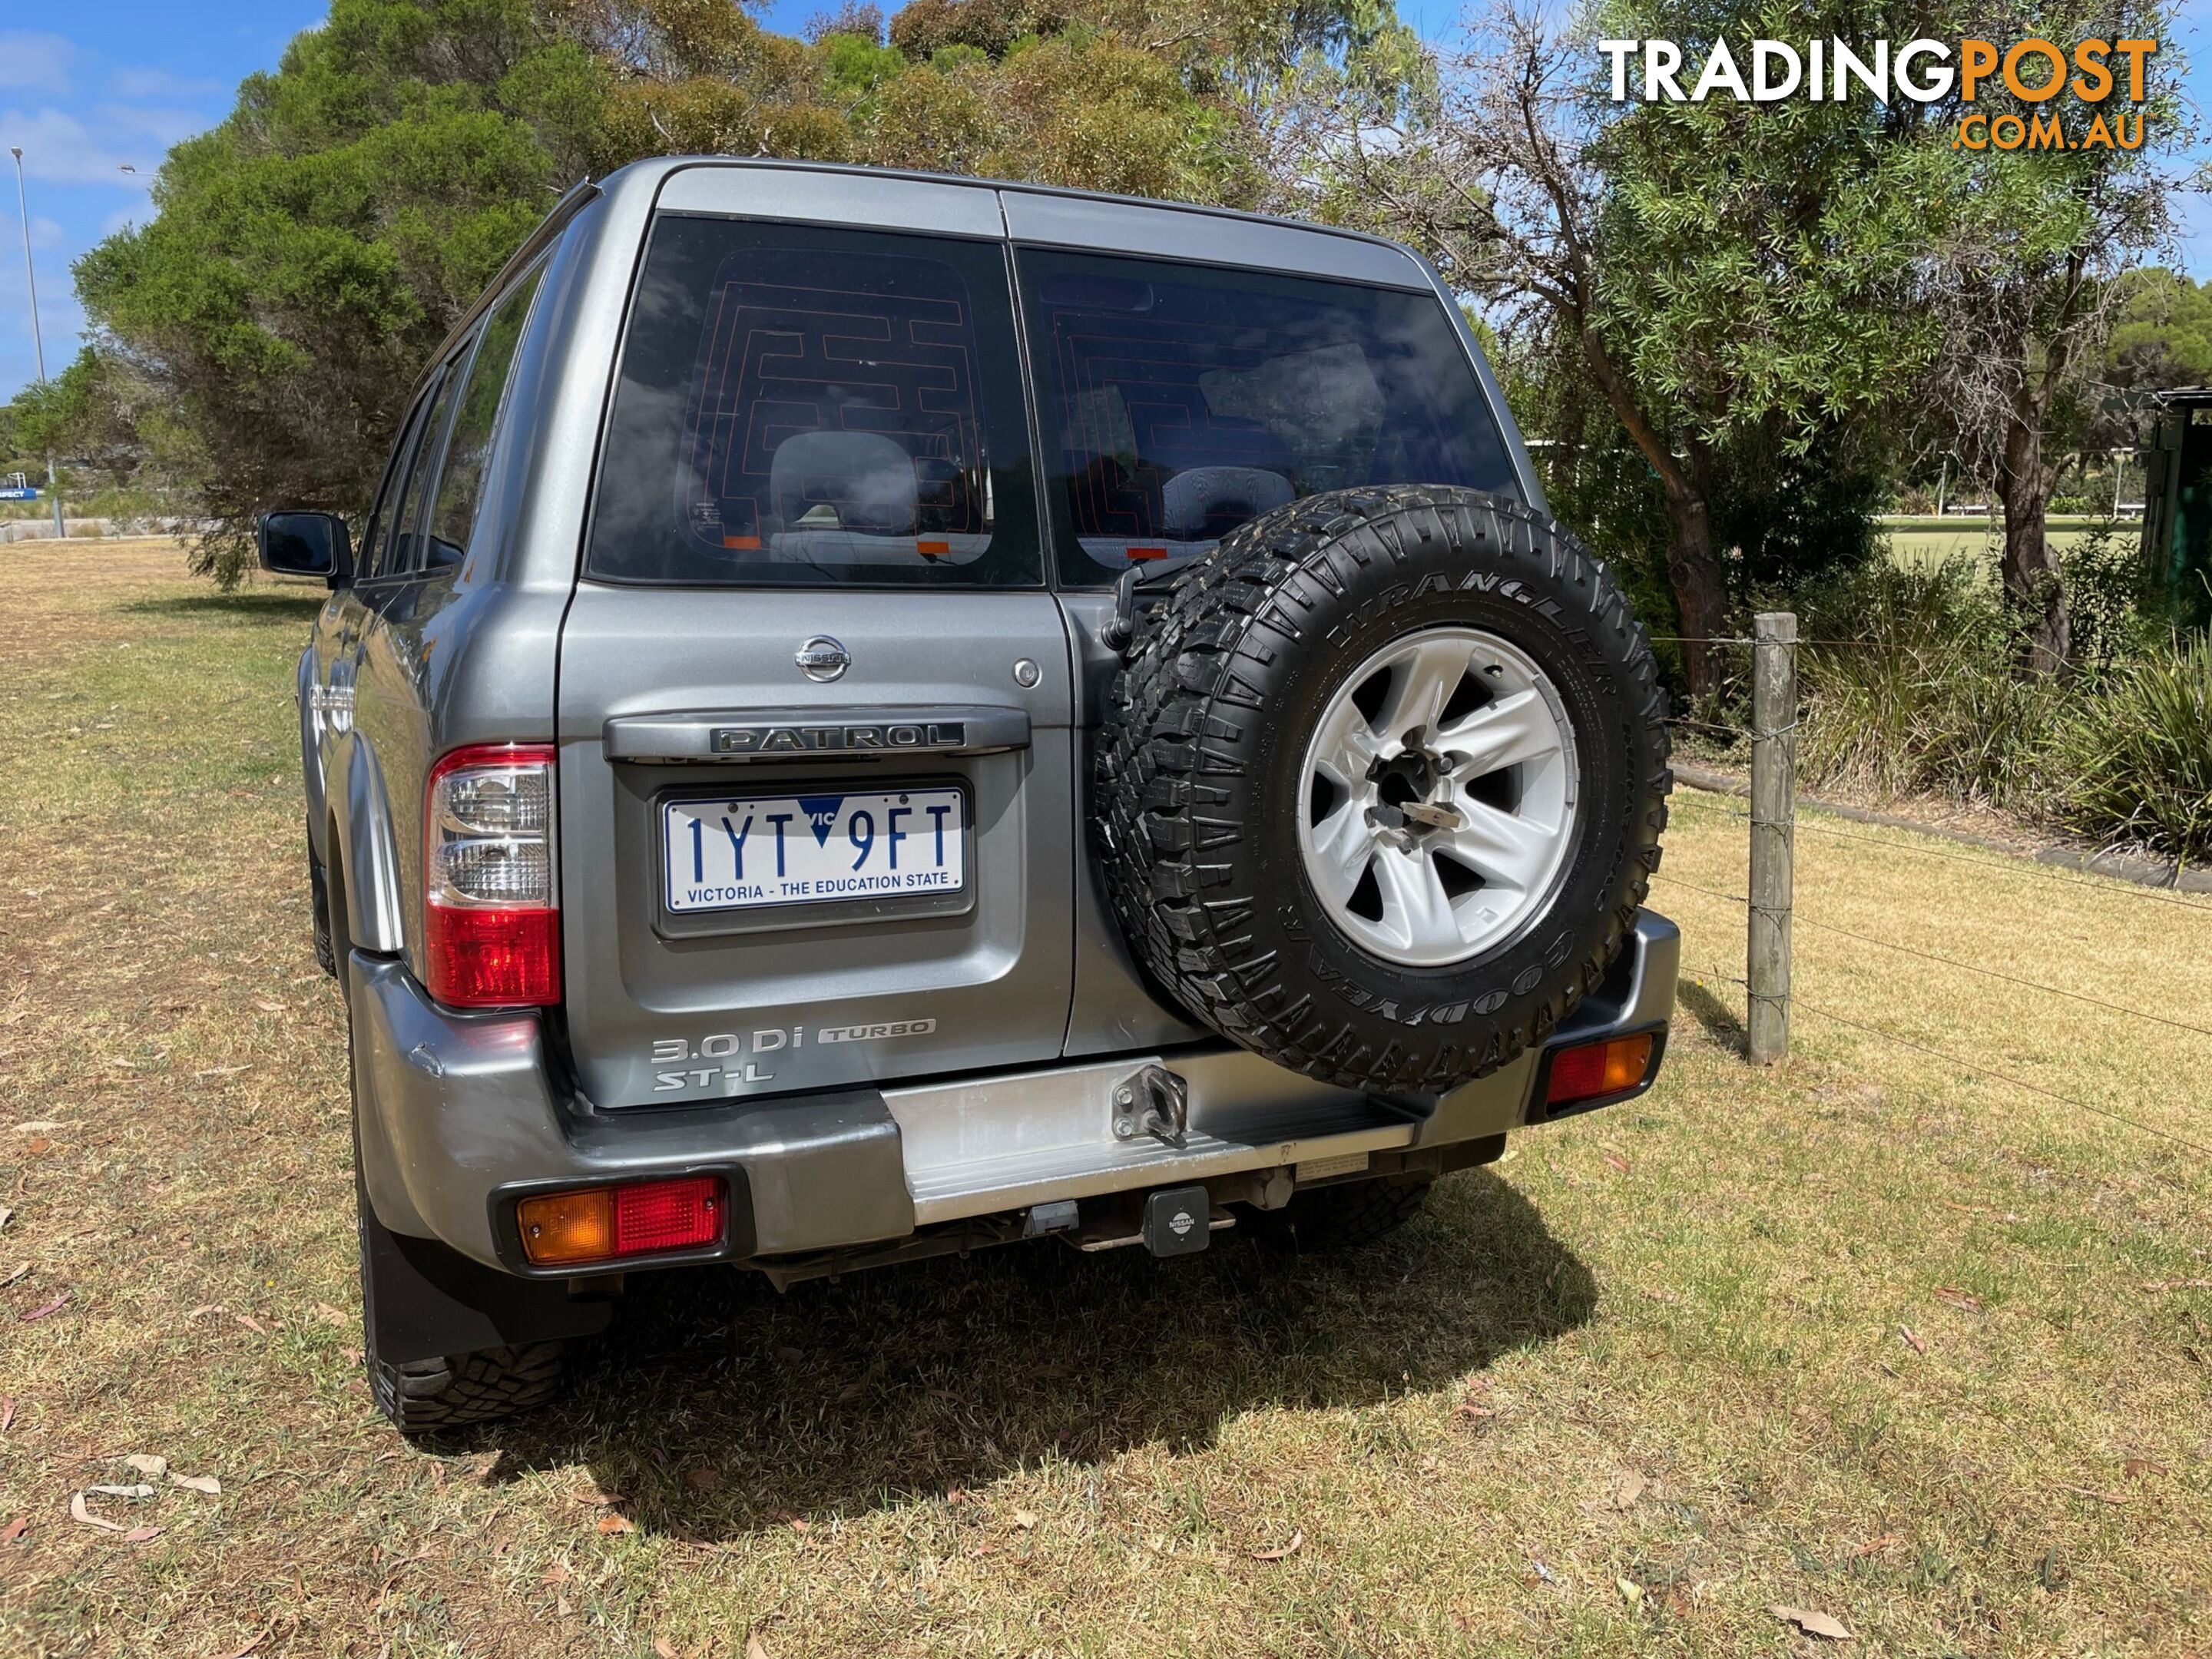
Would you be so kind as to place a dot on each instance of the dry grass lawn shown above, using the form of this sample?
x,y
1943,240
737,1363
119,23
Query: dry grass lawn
x,y
1870,1336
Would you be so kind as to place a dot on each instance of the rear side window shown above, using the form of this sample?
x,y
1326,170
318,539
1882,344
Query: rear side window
x,y
460,485
1179,401
811,406
406,547
381,548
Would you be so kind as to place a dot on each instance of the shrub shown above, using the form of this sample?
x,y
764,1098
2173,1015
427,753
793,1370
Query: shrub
x,y
1910,689
2134,754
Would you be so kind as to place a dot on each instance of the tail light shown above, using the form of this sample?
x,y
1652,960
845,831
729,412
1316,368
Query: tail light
x,y
1594,1070
604,1223
491,920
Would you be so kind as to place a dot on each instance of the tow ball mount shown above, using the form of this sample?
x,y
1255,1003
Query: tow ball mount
x,y
1152,1101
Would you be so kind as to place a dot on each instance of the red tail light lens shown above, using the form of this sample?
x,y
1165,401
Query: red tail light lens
x,y
1596,1069
491,923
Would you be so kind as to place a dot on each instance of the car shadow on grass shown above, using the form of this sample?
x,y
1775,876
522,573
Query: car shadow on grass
x,y
715,1406
288,605
1710,1011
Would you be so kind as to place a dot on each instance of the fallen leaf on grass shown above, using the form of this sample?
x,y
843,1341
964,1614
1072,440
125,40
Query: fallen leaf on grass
x,y
331,1315
1874,1545
1965,1301
19,1274
147,1464
80,1512
1911,1341
665,1647
558,1573
1026,1519
2156,1285
611,1524
142,1534
206,1484
203,1310
41,1127
1624,1489
1616,1163
46,1308
755,1648
140,1490
561,1607
1297,1542
15,1529
2135,1468
220,1070
267,1007
252,1324
799,1524
1813,1624
7,1215
7,1413
1631,1591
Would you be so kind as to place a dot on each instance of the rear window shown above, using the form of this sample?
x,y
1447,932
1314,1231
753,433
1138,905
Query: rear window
x,y
1181,401
807,406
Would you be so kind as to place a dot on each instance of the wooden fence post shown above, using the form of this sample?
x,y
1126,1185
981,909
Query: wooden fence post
x,y
1773,832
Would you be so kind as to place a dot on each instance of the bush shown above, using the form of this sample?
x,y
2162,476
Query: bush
x,y
2134,754
1913,689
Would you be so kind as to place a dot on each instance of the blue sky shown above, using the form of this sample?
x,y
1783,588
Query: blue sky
x,y
95,88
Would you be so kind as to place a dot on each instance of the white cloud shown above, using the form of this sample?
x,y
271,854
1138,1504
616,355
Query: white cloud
x,y
45,233
35,60
164,125
157,83
60,149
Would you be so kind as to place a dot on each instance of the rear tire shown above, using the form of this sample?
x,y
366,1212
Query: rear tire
x,y
1346,1217
422,1395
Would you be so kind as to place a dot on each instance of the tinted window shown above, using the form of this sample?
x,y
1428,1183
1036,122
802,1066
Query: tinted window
x,y
406,545
800,405
381,546
1181,401
476,418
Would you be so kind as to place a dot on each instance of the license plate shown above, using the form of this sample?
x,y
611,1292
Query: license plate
x,y
812,849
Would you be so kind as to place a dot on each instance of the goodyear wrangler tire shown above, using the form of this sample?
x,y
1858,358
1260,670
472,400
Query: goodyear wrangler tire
x,y
1383,783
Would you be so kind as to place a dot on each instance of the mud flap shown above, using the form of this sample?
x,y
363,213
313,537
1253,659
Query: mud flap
x,y
423,1301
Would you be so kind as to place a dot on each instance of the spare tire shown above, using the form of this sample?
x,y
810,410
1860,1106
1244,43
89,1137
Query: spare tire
x,y
1382,783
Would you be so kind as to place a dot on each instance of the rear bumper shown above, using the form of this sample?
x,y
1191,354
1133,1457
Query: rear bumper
x,y
462,1115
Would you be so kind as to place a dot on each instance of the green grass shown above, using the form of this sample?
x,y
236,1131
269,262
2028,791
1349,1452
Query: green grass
x,y
1032,1451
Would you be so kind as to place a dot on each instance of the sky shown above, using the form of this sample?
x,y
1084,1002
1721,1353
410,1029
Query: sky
x,y
95,93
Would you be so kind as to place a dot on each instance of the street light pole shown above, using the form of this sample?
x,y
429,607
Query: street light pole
x,y
38,339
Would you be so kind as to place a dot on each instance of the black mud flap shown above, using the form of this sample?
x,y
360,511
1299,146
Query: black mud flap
x,y
424,1300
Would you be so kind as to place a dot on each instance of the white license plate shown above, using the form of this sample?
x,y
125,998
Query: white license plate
x,y
811,849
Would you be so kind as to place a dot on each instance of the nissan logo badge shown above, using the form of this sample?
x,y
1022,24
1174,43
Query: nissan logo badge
x,y
823,659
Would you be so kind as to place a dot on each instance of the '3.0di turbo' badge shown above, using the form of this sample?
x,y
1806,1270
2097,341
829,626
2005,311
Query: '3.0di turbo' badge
x,y
727,1051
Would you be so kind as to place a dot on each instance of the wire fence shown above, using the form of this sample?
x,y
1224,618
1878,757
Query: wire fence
x,y
1769,981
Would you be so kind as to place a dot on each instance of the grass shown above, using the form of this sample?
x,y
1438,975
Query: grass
x,y
1930,542
1034,1452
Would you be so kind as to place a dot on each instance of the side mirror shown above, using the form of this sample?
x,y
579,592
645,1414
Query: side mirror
x,y
306,545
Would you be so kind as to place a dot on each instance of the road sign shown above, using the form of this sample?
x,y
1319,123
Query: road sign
x,y
19,493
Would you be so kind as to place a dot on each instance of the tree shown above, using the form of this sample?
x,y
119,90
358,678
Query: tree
x,y
2025,249
308,255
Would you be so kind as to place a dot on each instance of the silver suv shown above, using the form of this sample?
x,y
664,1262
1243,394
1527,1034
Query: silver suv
x,y
874,715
